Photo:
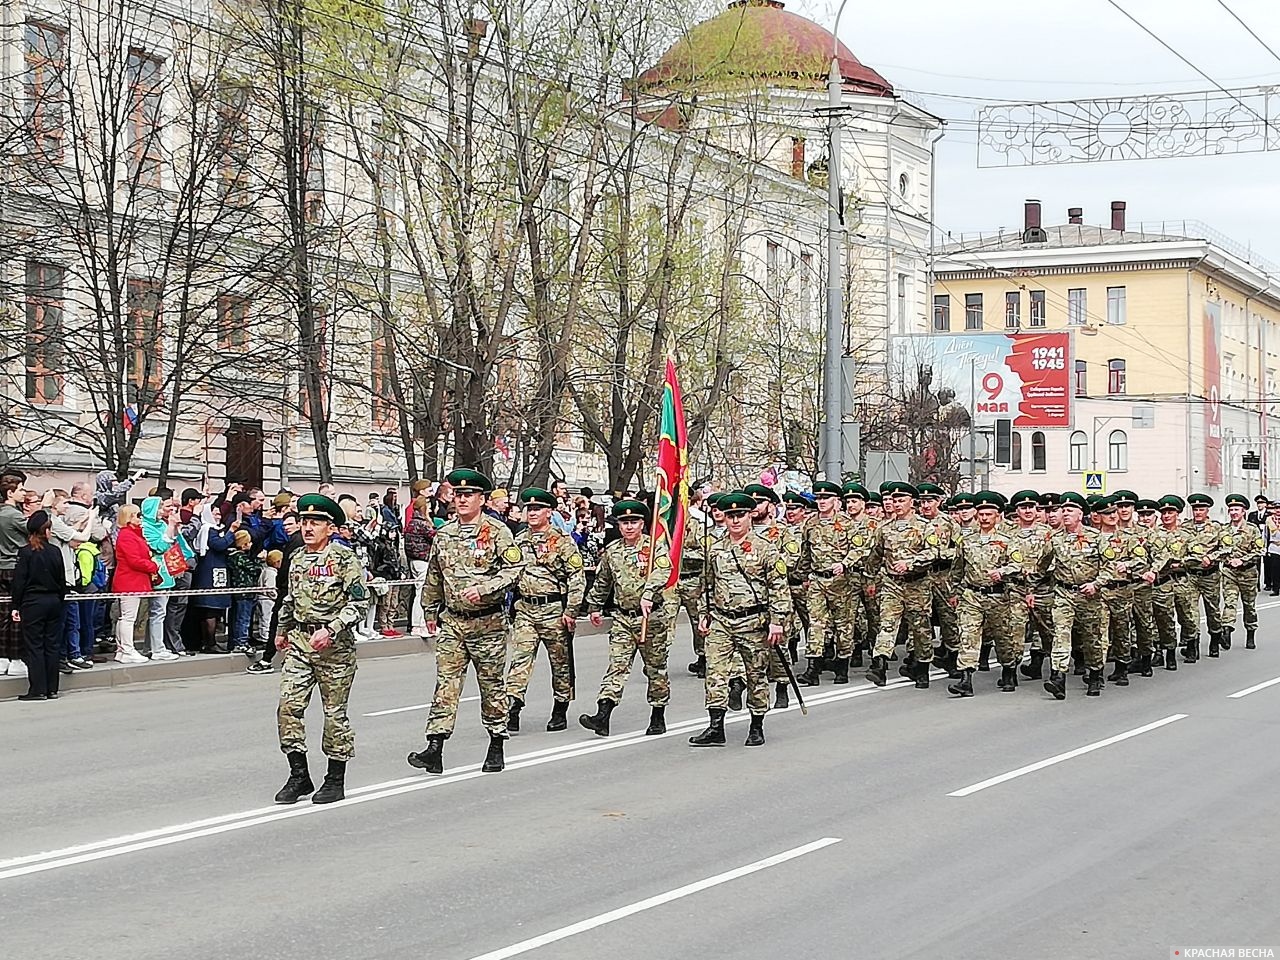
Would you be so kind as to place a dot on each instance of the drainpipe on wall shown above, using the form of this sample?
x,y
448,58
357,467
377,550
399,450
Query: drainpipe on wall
x,y
1187,406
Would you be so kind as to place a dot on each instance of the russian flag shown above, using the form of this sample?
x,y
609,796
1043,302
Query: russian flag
x,y
130,418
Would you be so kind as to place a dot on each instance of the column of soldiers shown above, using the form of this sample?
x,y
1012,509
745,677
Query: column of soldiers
x,y
845,572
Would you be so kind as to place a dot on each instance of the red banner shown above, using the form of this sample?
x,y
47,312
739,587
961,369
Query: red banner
x,y
1213,394
1042,363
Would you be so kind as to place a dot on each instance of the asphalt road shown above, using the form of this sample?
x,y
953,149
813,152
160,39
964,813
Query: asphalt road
x,y
882,825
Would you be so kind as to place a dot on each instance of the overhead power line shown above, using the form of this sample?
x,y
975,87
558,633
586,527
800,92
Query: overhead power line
x,y
1248,29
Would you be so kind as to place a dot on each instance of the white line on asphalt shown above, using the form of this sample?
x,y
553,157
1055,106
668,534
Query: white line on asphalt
x,y
212,826
1254,689
1079,751
533,943
411,707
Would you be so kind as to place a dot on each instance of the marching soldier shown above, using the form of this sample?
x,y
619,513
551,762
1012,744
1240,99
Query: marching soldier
x,y
766,526
900,549
944,538
866,609
549,595
689,586
1077,612
828,547
1205,539
326,599
746,605
1240,573
1124,560
1144,623
797,510
1030,587
983,563
635,570
1173,601
474,562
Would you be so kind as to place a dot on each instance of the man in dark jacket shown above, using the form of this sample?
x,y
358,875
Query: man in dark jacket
x,y
290,524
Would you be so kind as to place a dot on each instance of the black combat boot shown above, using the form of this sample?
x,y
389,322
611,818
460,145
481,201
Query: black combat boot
x,y
856,659
1034,669
657,722
951,664
984,657
1057,684
599,724
842,671
1225,643
1171,658
781,697
1191,653
1213,646
1144,666
493,760
559,716
299,783
432,758
1008,679
713,736
921,675
877,673
1248,638
699,667
1120,675
793,648
964,686
1095,684
513,714
755,736
737,686
1077,660
812,675
333,788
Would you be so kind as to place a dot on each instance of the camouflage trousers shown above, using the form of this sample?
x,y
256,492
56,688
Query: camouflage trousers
x,y
905,600
536,625
798,622
482,642
624,643
1144,623
942,614
866,612
1078,617
1207,589
689,590
738,643
1240,588
830,616
984,618
332,671
1036,620
1173,605
1117,623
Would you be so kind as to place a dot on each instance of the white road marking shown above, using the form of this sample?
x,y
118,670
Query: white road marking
x,y
411,707
225,823
1254,689
1079,751
533,943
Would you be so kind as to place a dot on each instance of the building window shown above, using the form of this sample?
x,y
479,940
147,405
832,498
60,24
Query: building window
x,y
807,311
233,142
1077,306
1038,451
1271,390
233,321
773,271
1115,376
145,94
973,311
143,366
902,302
942,313
1078,451
797,157
1118,451
381,365
1015,451
1115,305
1082,378
44,87
1013,310
44,333
312,153
904,185
1228,376
1037,308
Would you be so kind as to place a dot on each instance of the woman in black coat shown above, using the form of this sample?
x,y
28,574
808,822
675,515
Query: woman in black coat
x,y
39,602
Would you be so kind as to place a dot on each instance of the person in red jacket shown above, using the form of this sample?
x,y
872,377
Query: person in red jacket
x,y
135,572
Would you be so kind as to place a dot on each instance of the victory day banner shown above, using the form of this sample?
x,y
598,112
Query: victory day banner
x,y
1023,377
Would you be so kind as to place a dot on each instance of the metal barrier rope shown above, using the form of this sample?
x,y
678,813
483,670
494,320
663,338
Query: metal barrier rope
x,y
208,592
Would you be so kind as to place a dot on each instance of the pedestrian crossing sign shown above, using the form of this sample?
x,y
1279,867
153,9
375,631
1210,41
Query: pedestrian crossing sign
x,y
1095,481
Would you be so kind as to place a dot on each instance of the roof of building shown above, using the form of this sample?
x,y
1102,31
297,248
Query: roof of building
x,y
760,40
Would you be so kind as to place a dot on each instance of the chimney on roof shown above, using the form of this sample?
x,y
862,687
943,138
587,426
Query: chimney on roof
x,y
1075,215
1117,215
1032,232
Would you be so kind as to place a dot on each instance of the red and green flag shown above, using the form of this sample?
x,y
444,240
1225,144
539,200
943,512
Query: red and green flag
x,y
671,499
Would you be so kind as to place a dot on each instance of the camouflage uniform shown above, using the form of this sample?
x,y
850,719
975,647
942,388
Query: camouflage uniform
x,y
944,537
1240,583
797,583
326,589
866,608
622,570
1030,549
825,542
903,596
1124,558
1144,624
1172,597
983,607
747,592
553,583
689,586
783,540
1077,560
1205,542
484,555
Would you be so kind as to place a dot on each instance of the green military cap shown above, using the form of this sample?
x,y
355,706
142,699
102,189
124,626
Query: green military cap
x,y
631,510
1073,499
854,491
1239,498
1147,506
895,488
873,497
1200,500
1124,498
1025,497
1171,501
930,491
988,499
758,492
793,499
737,502
1001,497
826,488
316,506
963,500
712,500
536,497
1049,500
1105,505
469,481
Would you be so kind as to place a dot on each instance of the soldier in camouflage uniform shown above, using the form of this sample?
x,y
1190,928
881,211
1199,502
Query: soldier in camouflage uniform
x,y
327,597
474,562
1030,587
1144,622
781,537
944,538
1077,613
827,549
697,537
635,571
549,595
1172,598
901,551
983,563
1124,561
1240,573
866,609
746,604
797,511
1207,549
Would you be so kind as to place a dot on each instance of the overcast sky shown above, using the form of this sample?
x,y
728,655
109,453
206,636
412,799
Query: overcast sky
x,y
1020,50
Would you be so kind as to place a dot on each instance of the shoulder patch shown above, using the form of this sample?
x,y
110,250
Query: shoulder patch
x,y
793,548
1258,542
1016,556
575,561
780,567
858,541
1139,551
662,563
1228,540
359,591
512,554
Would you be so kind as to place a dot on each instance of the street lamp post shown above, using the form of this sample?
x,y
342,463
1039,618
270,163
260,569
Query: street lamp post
x,y
833,454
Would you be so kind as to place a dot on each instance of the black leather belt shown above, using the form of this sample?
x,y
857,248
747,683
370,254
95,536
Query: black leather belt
x,y
939,565
796,581
474,614
743,611
541,599
909,577
824,574
1212,568
1116,583
311,627
1174,575
989,591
